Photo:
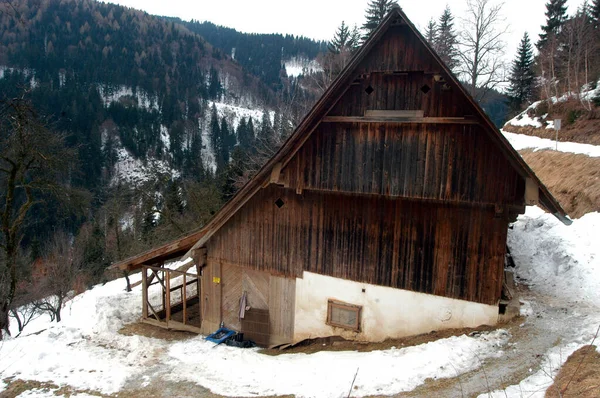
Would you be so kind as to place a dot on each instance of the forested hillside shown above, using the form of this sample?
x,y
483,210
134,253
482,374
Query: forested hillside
x,y
161,125
263,55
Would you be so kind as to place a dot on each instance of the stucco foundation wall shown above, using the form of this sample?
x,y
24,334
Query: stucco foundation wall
x,y
386,312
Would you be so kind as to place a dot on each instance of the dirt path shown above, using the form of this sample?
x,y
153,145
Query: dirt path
x,y
550,323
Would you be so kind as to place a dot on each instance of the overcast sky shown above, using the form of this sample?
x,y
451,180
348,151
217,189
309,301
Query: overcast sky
x,y
318,19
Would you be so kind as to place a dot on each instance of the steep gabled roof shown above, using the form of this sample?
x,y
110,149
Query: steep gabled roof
x,y
331,96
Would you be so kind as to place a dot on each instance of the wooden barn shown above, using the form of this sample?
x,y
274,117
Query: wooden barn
x,y
384,215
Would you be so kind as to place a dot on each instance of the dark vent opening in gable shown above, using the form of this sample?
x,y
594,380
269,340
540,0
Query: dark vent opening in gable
x,y
369,90
425,89
279,203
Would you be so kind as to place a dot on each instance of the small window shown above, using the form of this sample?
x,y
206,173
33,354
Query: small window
x,y
369,90
343,315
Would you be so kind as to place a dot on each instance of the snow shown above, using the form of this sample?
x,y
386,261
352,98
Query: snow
x,y
563,262
522,141
86,352
133,171
379,372
524,120
573,273
110,94
297,66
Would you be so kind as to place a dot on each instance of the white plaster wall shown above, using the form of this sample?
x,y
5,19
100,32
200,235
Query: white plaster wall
x,y
386,313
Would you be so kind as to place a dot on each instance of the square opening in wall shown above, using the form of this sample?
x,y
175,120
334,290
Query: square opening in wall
x,y
425,89
279,203
343,315
369,90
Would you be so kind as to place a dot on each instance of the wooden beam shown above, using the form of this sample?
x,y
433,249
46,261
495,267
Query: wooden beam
x,y
275,173
399,120
153,312
168,295
184,299
144,293
395,114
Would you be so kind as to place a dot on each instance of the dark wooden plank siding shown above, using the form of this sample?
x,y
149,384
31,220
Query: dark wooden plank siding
x,y
439,162
441,249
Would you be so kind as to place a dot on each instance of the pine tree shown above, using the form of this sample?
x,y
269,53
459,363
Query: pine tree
x,y
556,16
376,11
595,13
344,40
431,31
215,136
445,41
522,75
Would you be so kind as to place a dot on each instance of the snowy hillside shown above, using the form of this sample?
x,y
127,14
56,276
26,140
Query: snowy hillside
x,y
86,352
301,66
527,118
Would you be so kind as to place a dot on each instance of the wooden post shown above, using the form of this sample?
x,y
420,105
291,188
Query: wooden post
x,y
167,278
144,293
163,286
184,299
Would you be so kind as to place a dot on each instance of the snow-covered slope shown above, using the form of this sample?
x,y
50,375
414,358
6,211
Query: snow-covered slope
x,y
527,118
522,141
301,66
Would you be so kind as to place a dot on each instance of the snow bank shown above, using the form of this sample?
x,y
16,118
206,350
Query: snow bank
x,y
522,141
234,372
562,262
559,260
84,350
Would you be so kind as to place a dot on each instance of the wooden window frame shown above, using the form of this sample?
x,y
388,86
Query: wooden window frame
x,y
344,306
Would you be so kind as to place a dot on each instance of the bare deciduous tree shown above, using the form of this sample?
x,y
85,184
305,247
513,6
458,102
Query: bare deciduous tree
x,y
33,160
62,269
481,48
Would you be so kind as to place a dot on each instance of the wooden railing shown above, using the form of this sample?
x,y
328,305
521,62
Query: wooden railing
x,y
174,299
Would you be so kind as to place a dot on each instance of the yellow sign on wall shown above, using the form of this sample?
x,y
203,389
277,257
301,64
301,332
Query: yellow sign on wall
x,y
216,279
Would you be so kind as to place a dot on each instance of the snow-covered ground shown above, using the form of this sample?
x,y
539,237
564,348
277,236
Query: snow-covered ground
x,y
522,141
86,352
563,263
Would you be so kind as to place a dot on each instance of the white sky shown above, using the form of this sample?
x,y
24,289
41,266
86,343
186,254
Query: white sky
x,y
318,19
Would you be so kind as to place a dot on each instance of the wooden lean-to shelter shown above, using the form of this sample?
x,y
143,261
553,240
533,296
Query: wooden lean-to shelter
x,y
385,214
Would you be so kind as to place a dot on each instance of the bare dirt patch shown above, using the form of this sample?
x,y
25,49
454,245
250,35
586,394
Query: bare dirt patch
x,y
337,343
579,376
146,330
16,387
573,179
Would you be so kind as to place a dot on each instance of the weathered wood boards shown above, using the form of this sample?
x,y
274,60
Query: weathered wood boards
x,y
449,250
